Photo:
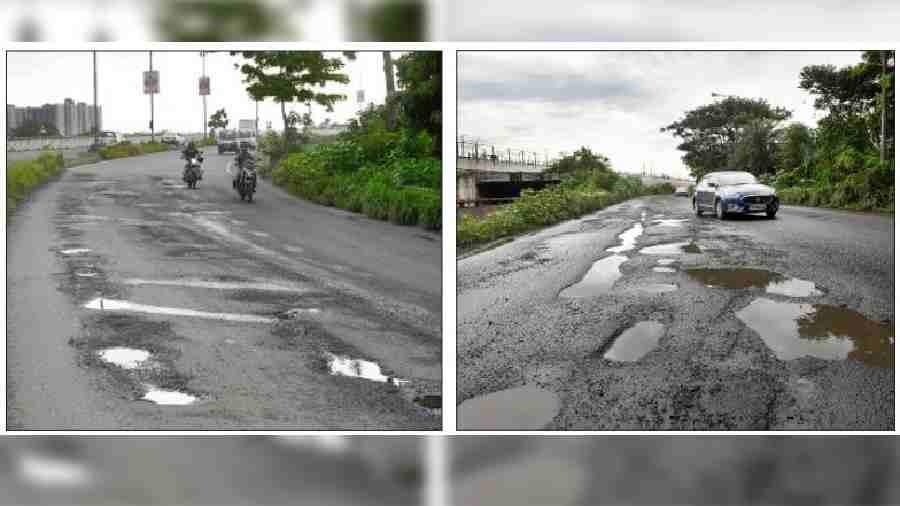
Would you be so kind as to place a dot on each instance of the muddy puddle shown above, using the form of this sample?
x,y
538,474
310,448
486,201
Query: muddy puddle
x,y
664,270
102,304
674,248
126,358
739,278
55,472
168,397
635,342
342,365
793,330
628,239
598,280
521,408
658,288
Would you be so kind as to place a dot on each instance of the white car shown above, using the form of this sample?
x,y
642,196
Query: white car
x,y
169,138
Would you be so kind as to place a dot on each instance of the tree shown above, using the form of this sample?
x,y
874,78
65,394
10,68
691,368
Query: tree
x,y
420,96
33,128
755,148
218,120
710,132
293,76
219,21
586,166
390,100
797,147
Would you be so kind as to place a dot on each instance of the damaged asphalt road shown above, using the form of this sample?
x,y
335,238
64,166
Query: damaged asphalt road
x,y
645,317
133,302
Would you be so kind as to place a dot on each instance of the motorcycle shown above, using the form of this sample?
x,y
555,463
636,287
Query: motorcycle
x,y
193,172
246,181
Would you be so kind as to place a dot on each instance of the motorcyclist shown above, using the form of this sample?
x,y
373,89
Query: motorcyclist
x,y
190,151
243,158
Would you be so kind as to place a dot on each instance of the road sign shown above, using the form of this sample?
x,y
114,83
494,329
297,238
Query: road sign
x,y
204,85
151,82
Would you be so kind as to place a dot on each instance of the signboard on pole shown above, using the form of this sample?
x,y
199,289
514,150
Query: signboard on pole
x,y
204,85
151,82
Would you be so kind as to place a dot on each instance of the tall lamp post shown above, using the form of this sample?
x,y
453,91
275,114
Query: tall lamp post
x,y
96,114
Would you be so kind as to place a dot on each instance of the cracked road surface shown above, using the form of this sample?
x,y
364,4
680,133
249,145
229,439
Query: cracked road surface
x,y
799,335
133,302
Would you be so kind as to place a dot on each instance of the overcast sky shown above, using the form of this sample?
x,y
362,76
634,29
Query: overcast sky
x,y
667,20
35,78
615,102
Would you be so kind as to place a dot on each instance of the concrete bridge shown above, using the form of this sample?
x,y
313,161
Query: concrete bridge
x,y
485,175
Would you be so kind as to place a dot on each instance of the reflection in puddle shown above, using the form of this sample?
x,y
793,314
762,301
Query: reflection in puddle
x,y
817,330
635,342
663,269
358,368
126,358
739,278
521,408
658,287
599,279
123,305
218,285
628,238
52,472
168,397
75,251
674,248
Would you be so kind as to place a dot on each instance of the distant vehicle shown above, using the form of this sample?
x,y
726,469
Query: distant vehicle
x,y
172,138
246,134
682,191
730,192
227,142
108,137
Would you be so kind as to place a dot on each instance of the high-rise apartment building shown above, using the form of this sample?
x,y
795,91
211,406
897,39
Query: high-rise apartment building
x,y
69,118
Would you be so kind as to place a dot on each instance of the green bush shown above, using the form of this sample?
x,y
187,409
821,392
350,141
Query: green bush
x,y
24,176
127,149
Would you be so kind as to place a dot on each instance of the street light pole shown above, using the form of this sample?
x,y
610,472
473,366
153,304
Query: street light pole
x,y
152,126
96,114
205,123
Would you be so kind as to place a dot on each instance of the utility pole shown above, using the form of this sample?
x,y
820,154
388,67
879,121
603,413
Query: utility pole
x,y
883,100
389,82
96,114
256,127
152,126
205,129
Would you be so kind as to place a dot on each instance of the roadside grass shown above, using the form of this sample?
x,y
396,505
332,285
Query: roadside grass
x,y
843,195
128,149
25,176
538,209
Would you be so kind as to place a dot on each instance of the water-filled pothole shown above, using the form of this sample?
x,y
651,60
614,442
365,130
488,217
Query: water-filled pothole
x,y
598,280
341,365
670,222
665,270
674,248
738,278
521,408
47,471
126,358
832,333
658,287
126,306
628,239
635,342
168,397
75,251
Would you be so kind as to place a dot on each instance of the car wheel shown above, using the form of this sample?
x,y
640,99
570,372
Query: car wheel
x,y
771,214
696,207
720,211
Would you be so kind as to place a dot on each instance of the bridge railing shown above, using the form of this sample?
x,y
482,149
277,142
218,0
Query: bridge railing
x,y
490,153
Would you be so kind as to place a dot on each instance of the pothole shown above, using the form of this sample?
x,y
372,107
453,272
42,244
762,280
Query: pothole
x,y
670,222
598,280
794,330
674,248
521,408
665,261
126,358
658,287
433,403
342,365
168,397
635,342
75,251
664,270
628,239
739,278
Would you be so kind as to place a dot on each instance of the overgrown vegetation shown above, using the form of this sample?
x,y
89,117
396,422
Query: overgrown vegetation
x,y
24,176
841,162
127,149
385,169
588,184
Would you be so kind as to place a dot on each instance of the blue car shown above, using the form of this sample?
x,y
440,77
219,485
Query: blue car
x,y
734,192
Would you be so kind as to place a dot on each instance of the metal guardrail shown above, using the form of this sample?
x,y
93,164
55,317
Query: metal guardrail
x,y
473,150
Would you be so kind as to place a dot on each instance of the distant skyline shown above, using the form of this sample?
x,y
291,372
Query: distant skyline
x,y
35,78
615,102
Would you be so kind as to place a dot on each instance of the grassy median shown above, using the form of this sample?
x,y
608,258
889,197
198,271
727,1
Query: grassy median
x,y
128,149
25,176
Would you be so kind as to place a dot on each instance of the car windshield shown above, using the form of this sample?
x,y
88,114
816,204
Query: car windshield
x,y
735,179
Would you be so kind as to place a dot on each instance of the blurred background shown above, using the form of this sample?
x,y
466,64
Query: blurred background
x,y
440,20
481,470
